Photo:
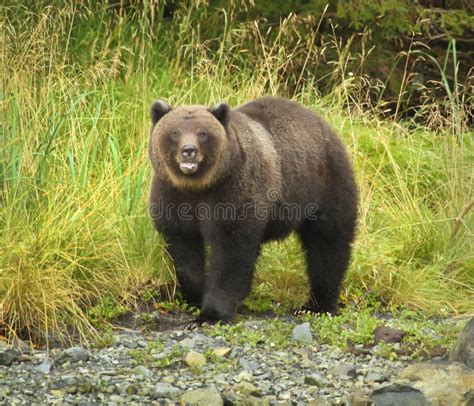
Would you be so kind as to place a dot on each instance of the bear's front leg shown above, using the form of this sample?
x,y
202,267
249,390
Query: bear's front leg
x,y
187,253
228,283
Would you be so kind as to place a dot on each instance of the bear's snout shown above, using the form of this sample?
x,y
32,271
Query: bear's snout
x,y
189,151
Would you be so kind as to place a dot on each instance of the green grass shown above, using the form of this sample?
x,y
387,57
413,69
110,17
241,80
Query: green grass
x,y
74,175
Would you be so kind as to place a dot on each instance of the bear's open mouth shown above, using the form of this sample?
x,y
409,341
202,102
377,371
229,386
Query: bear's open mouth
x,y
188,167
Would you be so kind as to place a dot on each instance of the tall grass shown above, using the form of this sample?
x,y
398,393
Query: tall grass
x,y
77,80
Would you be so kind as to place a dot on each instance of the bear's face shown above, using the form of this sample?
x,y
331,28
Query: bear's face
x,y
188,144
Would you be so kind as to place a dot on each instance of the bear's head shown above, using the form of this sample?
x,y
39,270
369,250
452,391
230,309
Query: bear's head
x,y
189,144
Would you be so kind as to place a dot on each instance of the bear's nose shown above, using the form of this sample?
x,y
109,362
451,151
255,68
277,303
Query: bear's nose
x,y
189,151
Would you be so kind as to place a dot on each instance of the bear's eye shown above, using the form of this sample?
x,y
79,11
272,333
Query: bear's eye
x,y
175,135
202,135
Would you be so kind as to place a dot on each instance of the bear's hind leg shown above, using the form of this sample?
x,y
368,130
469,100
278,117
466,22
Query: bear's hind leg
x,y
327,259
187,253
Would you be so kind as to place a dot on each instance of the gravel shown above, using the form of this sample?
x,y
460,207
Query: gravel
x,y
153,368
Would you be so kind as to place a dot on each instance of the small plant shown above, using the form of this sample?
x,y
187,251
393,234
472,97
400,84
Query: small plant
x,y
107,310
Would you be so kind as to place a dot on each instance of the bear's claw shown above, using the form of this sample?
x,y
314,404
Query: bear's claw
x,y
196,323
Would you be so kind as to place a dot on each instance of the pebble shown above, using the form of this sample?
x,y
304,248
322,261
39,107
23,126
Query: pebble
x,y
44,367
375,377
165,390
246,389
221,352
259,374
73,355
203,397
302,333
141,370
345,371
315,380
195,359
388,334
8,356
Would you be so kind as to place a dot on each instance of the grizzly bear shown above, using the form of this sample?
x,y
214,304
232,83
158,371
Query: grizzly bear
x,y
232,179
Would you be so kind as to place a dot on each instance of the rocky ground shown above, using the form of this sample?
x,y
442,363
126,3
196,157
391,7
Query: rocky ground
x,y
208,368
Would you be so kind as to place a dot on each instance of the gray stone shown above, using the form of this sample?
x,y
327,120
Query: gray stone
x,y
165,390
4,392
398,395
463,350
128,389
319,401
194,341
302,333
253,401
9,356
195,359
20,345
73,355
345,371
359,398
203,397
187,343
71,384
44,367
65,382
248,365
246,389
441,384
315,380
375,377
141,370
117,399
244,376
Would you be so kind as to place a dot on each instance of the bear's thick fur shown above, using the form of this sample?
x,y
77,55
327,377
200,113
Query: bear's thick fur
x,y
235,178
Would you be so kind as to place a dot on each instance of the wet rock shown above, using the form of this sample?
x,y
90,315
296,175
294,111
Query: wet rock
x,y
441,384
388,334
195,359
203,397
345,371
9,356
398,395
463,350
73,355
302,333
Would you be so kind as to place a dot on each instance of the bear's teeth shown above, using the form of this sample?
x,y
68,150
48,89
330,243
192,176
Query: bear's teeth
x,y
188,165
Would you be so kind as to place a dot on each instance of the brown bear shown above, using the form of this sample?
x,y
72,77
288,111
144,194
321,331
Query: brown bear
x,y
232,179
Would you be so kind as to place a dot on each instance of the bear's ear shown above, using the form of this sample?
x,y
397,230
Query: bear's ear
x,y
158,109
221,112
